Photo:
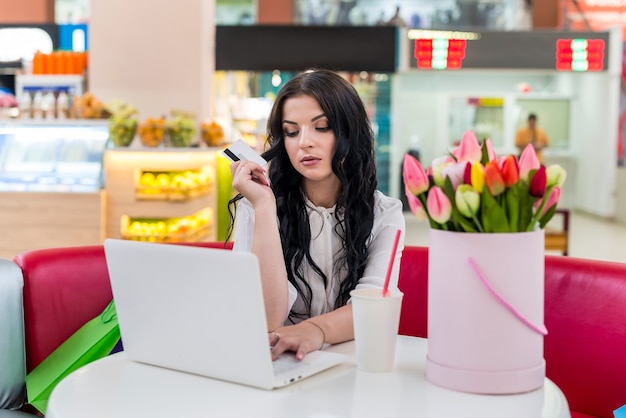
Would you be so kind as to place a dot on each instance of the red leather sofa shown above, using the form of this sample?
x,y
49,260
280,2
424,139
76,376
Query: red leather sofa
x,y
585,314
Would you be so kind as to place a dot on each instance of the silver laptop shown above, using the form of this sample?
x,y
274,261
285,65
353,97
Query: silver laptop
x,y
200,310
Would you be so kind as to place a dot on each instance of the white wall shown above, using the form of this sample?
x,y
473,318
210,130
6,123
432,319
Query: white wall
x,y
157,55
593,141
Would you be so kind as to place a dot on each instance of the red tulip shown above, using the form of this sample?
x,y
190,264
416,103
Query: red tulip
x,y
467,174
510,170
415,177
493,178
537,186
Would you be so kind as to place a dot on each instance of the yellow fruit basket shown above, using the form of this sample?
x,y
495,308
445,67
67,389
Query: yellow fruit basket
x,y
173,185
184,229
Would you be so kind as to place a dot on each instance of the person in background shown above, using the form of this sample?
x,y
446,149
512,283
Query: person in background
x,y
532,134
314,217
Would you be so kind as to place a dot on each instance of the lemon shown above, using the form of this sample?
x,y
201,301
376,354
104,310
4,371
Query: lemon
x,y
147,179
163,180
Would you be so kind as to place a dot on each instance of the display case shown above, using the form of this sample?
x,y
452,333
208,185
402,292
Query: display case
x,y
51,178
161,194
52,156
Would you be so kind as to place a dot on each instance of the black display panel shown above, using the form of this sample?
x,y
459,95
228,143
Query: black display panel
x,y
50,28
517,50
296,48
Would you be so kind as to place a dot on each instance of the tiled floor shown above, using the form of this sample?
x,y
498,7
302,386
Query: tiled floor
x,y
590,237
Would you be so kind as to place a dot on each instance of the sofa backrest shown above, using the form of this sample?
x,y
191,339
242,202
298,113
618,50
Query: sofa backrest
x,y
63,289
413,282
585,349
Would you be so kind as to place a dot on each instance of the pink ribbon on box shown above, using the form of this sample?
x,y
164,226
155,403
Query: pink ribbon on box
x,y
539,329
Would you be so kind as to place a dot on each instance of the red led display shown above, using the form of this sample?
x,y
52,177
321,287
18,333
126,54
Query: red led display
x,y
439,54
580,54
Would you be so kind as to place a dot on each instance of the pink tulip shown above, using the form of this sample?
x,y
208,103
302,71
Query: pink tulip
x,y
528,161
509,170
455,172
469,149
493,178
415,177
491,153
415,205
537,187
438,205
553,199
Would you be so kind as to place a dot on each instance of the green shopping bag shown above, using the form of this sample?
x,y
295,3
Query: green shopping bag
x,y
92,341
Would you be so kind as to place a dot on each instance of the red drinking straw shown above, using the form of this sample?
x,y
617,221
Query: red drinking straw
x,y
391,259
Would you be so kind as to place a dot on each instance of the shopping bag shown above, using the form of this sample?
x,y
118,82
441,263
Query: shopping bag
x,y
92,341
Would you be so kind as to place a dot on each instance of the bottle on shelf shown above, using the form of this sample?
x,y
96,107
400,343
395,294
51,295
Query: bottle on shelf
x,y
48,106
25,102
37,107
63,105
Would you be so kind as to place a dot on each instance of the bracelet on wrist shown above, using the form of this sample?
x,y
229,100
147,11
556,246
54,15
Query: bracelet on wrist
x,y
321,330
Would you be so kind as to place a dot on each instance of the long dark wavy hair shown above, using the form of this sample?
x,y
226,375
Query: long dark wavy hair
x,y
353,163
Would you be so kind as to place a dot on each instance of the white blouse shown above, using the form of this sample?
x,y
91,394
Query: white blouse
x,y
326,247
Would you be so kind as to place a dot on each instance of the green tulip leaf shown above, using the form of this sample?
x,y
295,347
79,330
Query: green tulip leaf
x,y
512,204
493,215
463,223
448,189
484,158
543,221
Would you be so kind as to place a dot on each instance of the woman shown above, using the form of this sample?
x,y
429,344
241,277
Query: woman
x,y
314,218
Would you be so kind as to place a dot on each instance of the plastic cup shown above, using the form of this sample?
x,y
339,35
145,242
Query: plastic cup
x,y
376,320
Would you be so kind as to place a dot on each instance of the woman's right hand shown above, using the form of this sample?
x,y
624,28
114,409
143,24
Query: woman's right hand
x,y
250,179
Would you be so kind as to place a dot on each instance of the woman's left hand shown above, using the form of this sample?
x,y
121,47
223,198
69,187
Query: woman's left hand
x,y
301,338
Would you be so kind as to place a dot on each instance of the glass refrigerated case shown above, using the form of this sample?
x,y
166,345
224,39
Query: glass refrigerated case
x,y
52,156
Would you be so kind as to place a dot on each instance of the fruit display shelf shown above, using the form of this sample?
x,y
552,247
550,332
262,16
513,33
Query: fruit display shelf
x,y
184,229
179,185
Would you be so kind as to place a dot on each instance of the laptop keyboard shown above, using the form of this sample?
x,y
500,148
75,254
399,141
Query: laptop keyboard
x,y
285,363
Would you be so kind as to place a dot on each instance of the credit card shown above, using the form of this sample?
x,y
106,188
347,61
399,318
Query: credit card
x,y
239,150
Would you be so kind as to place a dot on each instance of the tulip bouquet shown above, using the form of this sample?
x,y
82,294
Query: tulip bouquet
x,y
472,190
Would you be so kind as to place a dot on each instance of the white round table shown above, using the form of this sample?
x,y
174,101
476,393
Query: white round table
x,y
118,387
